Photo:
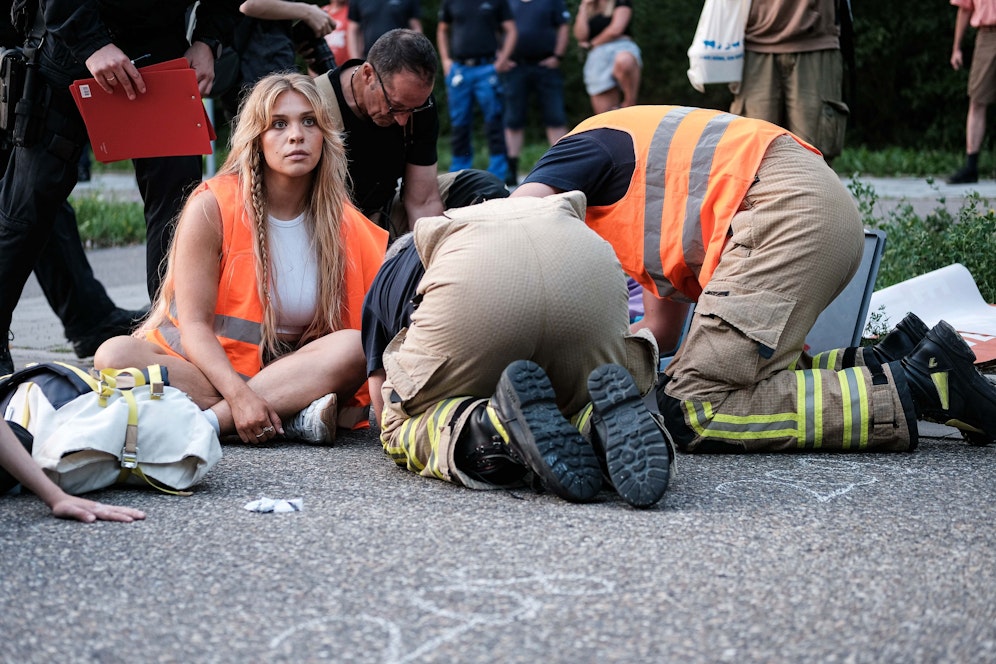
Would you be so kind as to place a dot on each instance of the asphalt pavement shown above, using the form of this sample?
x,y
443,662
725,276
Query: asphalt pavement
x,y
761,558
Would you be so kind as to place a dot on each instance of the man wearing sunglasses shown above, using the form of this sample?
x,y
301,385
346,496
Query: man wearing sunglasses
x,y
391,126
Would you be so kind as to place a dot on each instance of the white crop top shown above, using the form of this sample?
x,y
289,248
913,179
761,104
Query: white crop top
x,y
293,275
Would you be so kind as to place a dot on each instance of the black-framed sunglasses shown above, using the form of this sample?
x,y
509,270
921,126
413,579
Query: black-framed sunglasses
x,y
399,111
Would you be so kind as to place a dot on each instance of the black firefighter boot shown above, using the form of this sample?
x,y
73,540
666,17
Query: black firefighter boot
x,y
901,341
947,387
637,450
522,422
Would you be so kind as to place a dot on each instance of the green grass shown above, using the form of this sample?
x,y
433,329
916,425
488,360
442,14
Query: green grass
x,y
893,162
108,223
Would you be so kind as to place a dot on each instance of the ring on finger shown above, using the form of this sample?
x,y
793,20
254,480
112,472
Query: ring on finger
x,y
267,429
260,434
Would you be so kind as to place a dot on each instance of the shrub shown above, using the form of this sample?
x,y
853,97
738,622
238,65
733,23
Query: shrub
x,y
916,245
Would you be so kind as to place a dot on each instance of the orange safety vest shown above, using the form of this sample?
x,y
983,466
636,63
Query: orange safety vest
x,y
238,315
693,169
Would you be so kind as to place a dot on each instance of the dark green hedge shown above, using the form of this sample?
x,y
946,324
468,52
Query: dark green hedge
x,y
906,92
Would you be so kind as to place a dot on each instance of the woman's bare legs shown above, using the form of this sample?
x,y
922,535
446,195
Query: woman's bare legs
x,y
333,363
626,72
605,101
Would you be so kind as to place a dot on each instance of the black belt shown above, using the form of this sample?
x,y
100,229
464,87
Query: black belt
x,y
475,62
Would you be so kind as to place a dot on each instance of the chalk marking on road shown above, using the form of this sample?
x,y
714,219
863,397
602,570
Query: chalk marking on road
x,y
522,606
819,478
394,633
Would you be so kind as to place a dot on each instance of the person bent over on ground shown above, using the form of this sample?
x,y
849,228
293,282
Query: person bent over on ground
x,y
511,355
747,220
259,314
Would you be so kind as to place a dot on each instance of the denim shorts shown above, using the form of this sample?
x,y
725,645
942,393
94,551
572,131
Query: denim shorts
x,y
545,84
598,66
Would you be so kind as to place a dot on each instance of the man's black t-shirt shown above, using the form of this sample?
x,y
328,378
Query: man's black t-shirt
x,y
389,303
598,162
378,155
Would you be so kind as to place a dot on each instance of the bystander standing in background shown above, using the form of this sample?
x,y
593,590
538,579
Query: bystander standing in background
x,y
369,19
612,68
793,70
338,11
981,15
539,50
475,40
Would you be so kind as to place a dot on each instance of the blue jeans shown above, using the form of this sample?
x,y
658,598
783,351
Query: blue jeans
x,y
464,86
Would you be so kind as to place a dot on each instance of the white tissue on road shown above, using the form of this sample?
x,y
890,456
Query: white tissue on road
x,y
275,505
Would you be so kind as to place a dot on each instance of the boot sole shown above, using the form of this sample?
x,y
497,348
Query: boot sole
x,y
636,453
540,435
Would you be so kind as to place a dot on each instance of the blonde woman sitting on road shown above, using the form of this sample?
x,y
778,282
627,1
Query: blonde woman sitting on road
x,y
259,315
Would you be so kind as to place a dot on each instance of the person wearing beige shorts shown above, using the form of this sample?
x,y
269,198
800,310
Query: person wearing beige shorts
x,y
980,14
518,357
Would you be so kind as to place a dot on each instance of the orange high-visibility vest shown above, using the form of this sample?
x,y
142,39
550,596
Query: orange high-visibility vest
x,y
238,315
693,169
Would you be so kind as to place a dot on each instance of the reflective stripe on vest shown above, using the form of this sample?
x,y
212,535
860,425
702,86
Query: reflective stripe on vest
x,y
693,168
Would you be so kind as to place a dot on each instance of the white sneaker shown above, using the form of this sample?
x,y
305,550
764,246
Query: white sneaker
x,y
316,423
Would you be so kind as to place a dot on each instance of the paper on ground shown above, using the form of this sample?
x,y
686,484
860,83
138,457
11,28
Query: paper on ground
x,y
277,505
949,293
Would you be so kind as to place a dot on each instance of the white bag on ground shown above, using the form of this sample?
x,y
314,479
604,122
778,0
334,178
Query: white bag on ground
x,y
717,51
123,427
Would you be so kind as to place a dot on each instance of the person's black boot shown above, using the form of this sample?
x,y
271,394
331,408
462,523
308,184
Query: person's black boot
x,y
537,433
482,453
638,452
120,322
947,387
901,341
968,173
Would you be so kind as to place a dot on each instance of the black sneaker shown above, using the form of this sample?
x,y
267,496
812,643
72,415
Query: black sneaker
x,y
541,437
947,387
637,453
120,322
901,341
964,175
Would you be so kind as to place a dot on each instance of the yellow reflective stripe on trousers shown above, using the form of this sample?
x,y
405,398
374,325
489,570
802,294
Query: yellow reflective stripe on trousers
x,y
826,359
405,453
854,403
806,425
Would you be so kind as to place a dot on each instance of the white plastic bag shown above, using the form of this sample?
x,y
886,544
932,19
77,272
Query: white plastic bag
x,y
717,52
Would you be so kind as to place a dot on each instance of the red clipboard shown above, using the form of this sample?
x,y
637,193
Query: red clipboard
x,y
169,120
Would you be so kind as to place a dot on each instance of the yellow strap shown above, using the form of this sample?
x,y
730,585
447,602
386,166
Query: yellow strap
x,y
110,376
138,472
129,453
156,382
26,415
103,389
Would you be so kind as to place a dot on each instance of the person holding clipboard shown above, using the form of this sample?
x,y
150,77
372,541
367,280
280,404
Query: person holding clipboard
x,y
96,39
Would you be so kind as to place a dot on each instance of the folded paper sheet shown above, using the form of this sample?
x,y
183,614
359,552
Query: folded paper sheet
x,y
168,120
949,293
